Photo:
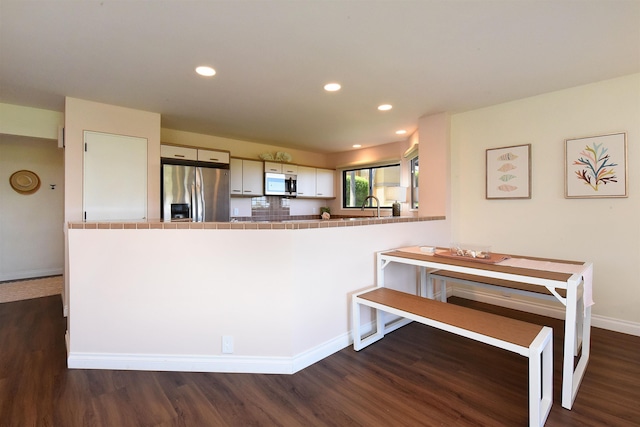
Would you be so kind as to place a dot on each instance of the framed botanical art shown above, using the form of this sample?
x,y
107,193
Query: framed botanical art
x,y
596,166
509,172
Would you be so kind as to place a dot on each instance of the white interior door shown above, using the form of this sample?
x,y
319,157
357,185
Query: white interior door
x,y
115,177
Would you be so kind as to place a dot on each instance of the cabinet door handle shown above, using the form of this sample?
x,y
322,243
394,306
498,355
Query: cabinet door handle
x,y
179,155
212,159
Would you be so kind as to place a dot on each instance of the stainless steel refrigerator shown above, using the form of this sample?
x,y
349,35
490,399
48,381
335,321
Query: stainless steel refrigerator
x,y
196,192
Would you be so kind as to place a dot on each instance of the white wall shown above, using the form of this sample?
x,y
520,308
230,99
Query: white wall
x,y
434,150
283,295
81,115
31,237
604,231
27,121
31,232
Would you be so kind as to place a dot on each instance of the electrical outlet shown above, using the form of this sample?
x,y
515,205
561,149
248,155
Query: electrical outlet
x,y
235,211
314,210
227,344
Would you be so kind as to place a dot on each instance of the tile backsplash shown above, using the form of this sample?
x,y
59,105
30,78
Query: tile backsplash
x,y
270,208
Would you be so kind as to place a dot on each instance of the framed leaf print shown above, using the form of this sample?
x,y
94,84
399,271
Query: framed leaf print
x,y
509,172
596,166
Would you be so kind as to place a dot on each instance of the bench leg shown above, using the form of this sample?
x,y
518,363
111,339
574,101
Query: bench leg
x,y
358,342
541,377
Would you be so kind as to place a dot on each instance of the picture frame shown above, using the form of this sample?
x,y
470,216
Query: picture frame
x,y
596,166
508,172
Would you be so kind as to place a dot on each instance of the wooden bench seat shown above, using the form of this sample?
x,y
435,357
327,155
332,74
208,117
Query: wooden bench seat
x,y
532,341
492,282
446,276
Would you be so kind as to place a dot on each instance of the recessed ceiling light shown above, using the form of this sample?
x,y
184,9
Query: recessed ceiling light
x,y
205,71
332,87
356,145
385,107
401,132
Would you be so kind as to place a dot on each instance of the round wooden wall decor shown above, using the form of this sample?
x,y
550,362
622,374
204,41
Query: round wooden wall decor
x,y
25,182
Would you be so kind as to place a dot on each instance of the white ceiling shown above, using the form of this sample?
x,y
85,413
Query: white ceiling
x,y
273,58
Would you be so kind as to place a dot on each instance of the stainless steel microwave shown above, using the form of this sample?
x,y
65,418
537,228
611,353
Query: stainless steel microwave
x,y
280,184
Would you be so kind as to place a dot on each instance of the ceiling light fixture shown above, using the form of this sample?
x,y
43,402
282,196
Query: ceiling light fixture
x,y
205,71
332,87
356,145
401,132
385,107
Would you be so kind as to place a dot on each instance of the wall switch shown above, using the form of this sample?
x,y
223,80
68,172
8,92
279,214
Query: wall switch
x,y
227,344
235,211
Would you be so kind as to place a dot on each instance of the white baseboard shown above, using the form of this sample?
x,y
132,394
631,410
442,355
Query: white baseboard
x,y
542,308
180,363
226,363
30,274
311,356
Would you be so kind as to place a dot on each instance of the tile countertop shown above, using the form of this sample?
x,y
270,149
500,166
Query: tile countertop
x,y
246,225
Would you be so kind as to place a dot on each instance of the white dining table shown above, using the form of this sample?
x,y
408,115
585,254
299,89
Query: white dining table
x,y
574,277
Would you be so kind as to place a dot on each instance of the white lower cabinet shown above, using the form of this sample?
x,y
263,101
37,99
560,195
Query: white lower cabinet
x,y
247,177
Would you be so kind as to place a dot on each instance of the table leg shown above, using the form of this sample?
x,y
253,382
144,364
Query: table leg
x,y
571,378
443,290
426,286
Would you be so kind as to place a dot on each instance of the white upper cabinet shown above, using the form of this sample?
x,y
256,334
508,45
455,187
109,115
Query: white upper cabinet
x,y
280,167
313,182
235,181
273,167
247,178
213,156
291,169
189,153
306,181
324,183
182,153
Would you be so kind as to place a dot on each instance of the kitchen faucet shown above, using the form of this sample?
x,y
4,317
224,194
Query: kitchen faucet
x,y
377,203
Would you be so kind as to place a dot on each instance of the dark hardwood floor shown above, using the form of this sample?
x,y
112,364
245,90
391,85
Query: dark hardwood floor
x,y
415,376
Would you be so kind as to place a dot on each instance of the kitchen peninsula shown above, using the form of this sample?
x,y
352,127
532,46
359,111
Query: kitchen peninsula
x,y
165,295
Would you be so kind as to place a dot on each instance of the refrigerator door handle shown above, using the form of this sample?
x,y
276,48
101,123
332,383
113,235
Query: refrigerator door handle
x,y
198,201
194,208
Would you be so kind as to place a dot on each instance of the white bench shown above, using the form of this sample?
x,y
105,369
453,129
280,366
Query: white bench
x,y
489,282
532,341
445,276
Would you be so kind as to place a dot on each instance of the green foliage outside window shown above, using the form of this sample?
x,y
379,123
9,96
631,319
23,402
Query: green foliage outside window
x,y
362,191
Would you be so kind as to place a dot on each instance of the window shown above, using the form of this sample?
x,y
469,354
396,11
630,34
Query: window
x,y
357,184
414,183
